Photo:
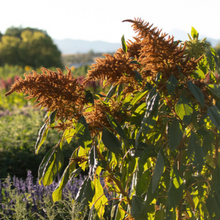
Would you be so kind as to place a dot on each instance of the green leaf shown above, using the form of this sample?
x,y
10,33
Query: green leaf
x,y
138,96
42,135
199,159
135,62
93,162
200,73
171,84
158,171
175,134
120,89
194,33
214,115
82,133
57,193
136,206
196,92
184,107
174,195
213,206
111,92
153,103
215,89
43,164
115,125
85,193
192,144
138,76
89,96
53,166
52,117
111,141
124,45
99,200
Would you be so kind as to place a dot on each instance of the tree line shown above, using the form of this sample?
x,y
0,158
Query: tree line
x,y
28,46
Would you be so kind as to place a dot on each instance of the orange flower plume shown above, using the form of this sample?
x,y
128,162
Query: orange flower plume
x,y
53,90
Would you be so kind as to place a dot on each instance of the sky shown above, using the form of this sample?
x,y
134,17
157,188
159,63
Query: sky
x,y
94,20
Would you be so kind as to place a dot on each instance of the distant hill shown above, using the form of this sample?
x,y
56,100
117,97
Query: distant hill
x,y
182,35
70,46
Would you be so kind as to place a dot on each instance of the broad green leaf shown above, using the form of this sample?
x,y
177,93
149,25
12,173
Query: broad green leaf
x,y
214,115
111,141
143,182
192,145
199,158
123,44
42,135
171,84
89,96
174,195
57,193
99,200
136,206
85,193
158,171
184,107
213,207
200,73
175,134
196,92
82,133
115,125
69,134
43,164
53,166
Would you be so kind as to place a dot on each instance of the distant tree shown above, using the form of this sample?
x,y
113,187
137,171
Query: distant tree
x,y
29,46
14,31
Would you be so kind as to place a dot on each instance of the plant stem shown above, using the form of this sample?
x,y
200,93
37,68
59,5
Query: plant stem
x,y
117,182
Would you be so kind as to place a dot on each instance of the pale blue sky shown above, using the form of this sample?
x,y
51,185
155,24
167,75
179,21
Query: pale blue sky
x,y
102,19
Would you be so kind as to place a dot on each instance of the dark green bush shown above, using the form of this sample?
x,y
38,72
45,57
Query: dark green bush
x,y
18,134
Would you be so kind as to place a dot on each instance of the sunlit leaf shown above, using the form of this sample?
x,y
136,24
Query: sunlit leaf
x,y
184,107
53,166
124,45
57,194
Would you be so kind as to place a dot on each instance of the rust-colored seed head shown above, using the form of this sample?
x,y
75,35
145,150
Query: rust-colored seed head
x,y
53,90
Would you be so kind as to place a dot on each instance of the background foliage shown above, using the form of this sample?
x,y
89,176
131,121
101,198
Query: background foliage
x,y
28,46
